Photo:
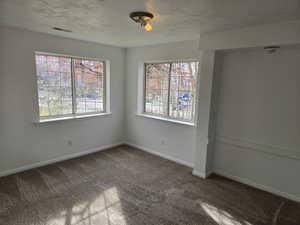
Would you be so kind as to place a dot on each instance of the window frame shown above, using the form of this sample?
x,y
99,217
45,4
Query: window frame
x,y
142,110
74,115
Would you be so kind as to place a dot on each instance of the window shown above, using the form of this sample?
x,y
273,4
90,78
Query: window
x,y
69,86
170,89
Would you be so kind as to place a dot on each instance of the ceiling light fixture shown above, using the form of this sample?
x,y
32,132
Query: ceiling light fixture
x,y
143,18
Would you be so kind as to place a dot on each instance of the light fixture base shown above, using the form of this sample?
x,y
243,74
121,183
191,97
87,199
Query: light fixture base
x,y
141,17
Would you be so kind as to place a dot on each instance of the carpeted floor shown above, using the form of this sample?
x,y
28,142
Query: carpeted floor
x,y
126,186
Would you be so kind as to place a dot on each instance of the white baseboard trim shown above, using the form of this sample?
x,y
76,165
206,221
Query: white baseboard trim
x,y
202,175
219,172
256,185
58,159
180,161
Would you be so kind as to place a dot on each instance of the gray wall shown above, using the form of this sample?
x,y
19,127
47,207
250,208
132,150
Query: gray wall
x,y
21,141
149,133
258,123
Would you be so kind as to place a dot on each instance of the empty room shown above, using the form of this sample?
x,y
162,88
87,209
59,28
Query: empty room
x,y
149,112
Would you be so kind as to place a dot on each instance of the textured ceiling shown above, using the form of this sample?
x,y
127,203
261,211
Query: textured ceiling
x,y
107,21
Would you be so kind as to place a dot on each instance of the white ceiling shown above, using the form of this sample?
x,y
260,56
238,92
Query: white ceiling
x,y
107,21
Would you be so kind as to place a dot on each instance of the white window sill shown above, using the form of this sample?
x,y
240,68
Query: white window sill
x,y
166,119
48,120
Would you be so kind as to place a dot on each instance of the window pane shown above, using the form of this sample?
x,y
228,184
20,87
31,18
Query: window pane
x,y
156,93
183,86
54,85
89,85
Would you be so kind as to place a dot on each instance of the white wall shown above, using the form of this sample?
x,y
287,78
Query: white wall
x,y
285,33
258,122
204,143
146,132
258,108
23,143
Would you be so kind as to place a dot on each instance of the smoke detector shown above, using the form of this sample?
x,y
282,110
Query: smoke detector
x,y
271,49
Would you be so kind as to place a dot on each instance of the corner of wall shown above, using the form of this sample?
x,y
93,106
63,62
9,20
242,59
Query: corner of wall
x,y
125,116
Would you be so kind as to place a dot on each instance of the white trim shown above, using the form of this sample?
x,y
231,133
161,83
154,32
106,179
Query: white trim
x,y
173,60
202,175
255,146
106,92
107,78
179,161
58,159
219,172
256,185
166,119
141,91
68,56
56,119
172,158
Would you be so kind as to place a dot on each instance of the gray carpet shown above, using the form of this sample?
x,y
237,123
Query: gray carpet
x,y
126,186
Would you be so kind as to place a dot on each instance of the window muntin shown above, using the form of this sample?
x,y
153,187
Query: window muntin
x,y
170,89
69,85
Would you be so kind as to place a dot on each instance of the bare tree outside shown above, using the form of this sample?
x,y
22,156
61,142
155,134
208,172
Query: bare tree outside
x,y
170,89
69,85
